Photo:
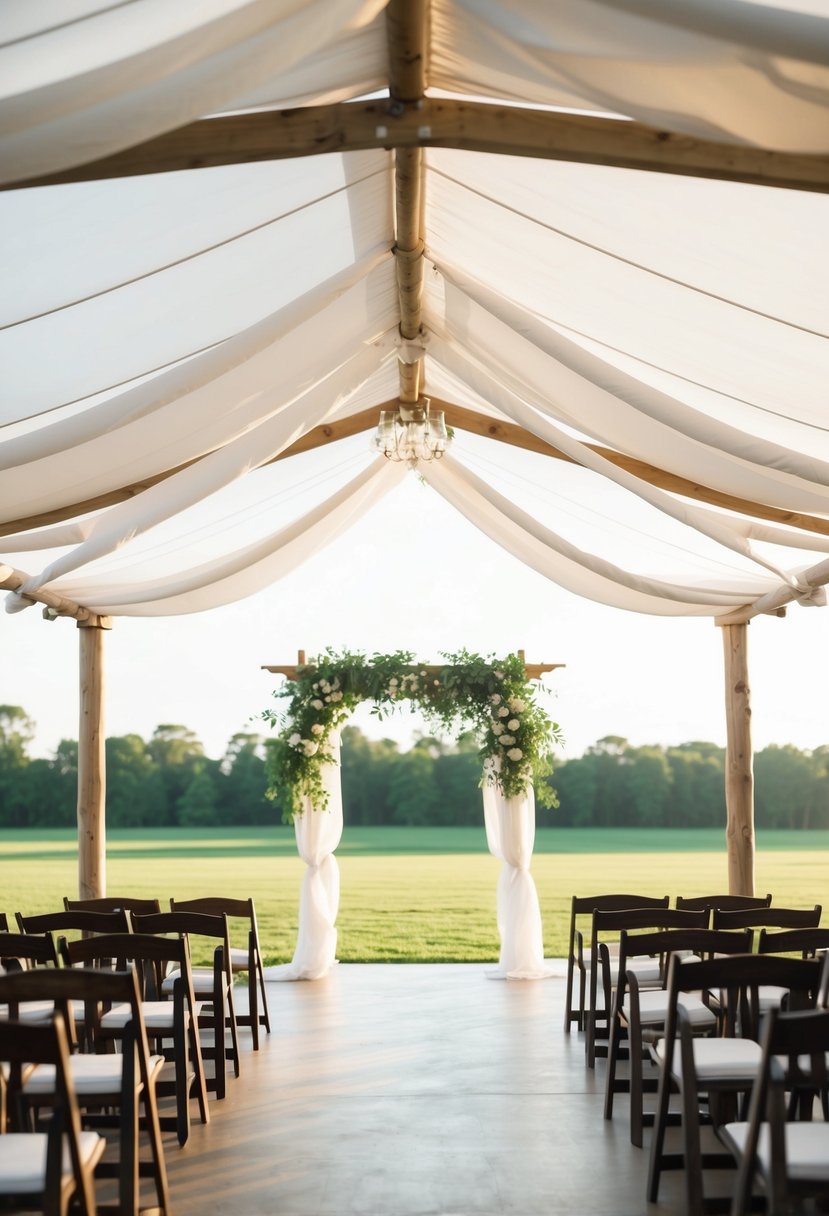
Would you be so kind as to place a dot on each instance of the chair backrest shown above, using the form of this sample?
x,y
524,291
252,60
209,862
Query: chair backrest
x,y
33,949
774,918
586,905
4,923
739,978
805,942
730,903
189,924
145,950
112,903
665,943
77,921
23,1043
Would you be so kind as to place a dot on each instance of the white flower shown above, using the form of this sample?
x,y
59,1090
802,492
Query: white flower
x,y
316,703
328,698
336,696
497,728
316,687
317,729
423,673
325,686
309,746
335,683
517,705
499,675
503,712
495,698
436,683
515,753
393,682
506,740
294,740
513,724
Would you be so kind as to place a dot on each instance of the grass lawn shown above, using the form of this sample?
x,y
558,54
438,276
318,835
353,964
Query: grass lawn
x,y
408,894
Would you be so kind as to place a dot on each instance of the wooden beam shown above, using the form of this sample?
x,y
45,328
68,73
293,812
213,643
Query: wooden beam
x,y
774,602
91,765
534,670
485,425
739,774
56,605
447,123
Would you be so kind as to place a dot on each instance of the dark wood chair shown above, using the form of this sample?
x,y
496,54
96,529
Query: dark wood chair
x,y
578,959
55,1168
112,1089
766,918
212,985
112,903
790,1160
243,960
74,921
722,1068
24,952
173,1025
805,942
605,927
639,1016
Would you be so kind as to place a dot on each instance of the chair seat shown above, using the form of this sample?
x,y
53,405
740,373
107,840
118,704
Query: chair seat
x,y
158,1015
718,1059
771,996
646,970
202,979
30,1011
91,1074
23,1159
653,1009
807,1148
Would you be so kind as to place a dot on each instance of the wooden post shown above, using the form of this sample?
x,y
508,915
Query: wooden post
x,y
91,761
739,775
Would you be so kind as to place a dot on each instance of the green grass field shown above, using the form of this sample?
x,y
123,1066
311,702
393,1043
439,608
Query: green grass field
x,y
408,894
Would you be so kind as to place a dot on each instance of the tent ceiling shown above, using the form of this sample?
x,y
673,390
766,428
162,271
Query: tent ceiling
x,y
604,281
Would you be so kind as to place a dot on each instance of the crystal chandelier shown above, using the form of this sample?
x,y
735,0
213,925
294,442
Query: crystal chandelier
x,y
412,432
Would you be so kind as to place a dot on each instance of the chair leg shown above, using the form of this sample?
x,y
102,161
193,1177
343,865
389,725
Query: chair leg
x,y
157,1162
260,971
230,1020
612,1060
253,1001
663,1097
198,1068
568,996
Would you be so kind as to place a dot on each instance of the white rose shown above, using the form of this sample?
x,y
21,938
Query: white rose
x,y
393,682
499,675
328,698
317,729
515,753
309,747
325,686
336,696
507,740
294,740
503,712
335,683
513,724
517,705
497,728
495,698
316,703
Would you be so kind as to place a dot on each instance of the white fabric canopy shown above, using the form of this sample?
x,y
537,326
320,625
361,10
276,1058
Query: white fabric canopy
x,y
165,336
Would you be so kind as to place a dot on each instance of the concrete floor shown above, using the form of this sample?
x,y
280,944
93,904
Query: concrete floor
x,y
415,1091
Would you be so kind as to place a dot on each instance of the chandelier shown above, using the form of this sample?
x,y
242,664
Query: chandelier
x,y
412,432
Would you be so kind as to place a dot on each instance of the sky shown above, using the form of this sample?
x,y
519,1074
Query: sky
x,y
414,575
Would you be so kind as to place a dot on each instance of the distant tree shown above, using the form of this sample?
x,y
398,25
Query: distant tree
x,y
244,781
413,791
136,795
197,806
175,750
784,787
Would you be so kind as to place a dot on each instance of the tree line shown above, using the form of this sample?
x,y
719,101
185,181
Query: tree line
x,y
168,781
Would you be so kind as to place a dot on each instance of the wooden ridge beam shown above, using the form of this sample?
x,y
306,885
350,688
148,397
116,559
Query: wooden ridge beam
x,y
477,424
447,123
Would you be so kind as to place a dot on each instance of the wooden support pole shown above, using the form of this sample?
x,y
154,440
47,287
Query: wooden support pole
x,y
739,774
91,764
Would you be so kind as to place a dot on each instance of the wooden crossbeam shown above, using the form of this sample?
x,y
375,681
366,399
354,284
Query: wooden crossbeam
x,y
447,123
57,605
534,671
459,417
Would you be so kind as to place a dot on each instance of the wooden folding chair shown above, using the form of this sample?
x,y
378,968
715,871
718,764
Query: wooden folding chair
x,y
111,1088
727,903
213,985
723,1068
578,959
243,961
174,1022
639,1016
789,1159
768,918
23,952
56,1167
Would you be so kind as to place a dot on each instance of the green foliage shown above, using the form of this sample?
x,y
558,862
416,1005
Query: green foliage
x,y
491,696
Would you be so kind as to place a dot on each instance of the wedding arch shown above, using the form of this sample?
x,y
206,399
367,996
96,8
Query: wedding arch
x,y
495,698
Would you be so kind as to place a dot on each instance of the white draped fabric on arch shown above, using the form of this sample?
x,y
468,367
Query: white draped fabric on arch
x,y
172,340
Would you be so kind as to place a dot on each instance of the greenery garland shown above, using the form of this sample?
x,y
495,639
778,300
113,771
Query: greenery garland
x,y
492,697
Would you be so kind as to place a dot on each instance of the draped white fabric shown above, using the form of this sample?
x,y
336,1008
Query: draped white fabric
x,y
163,337
510,833
317,835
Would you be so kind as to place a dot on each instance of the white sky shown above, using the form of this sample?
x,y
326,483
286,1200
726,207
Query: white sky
x,y
414,575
